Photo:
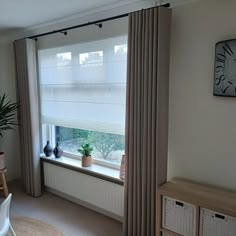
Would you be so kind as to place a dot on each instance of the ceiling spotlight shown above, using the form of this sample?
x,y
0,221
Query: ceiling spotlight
x,y
99,25
64,32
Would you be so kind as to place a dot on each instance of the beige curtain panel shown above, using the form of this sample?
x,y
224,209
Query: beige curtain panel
x,y
27,88
146,117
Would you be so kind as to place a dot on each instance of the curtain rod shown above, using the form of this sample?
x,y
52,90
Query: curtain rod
x,y
97,22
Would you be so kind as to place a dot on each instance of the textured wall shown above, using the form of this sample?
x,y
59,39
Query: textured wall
x,y
201,127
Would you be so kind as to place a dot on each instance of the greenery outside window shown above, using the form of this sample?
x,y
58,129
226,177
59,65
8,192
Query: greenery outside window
x,y
106,147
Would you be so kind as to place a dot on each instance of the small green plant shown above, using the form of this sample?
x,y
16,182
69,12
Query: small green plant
x,y
7,114
85,149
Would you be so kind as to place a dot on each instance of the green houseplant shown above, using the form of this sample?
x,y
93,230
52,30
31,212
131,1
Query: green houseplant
x,y
7,120
86,151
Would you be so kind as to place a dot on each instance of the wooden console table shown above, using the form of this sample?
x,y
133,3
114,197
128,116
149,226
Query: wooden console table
x,y
4,183
220,202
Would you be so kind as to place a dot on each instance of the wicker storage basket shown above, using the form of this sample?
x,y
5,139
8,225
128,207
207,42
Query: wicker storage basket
x,y
216,224
178,216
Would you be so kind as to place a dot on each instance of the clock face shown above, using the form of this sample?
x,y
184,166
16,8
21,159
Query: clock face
x,y
225,69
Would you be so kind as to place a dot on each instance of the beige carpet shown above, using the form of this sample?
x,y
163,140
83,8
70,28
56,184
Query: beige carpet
x,y
25,226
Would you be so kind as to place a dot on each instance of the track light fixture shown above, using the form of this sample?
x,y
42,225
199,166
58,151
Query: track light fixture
x,y
64,32
99,25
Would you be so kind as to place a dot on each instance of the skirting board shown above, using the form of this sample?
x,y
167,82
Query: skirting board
x,y
85,204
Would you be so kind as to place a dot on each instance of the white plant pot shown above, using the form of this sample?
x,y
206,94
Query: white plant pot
x,y
2,160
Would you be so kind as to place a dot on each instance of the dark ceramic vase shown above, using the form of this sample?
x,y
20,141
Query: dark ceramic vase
x,y
57,151
48,149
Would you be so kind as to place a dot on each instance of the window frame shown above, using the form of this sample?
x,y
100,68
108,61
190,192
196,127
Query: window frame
x,y
49,132
95,161
50,135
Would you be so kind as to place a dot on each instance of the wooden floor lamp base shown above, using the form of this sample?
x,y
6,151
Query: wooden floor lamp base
x,y
4,183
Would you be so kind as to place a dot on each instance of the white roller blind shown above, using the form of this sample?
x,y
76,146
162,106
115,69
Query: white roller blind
x,y
84,85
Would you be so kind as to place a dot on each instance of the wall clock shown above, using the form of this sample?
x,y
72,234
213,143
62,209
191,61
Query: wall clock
x,y
225,69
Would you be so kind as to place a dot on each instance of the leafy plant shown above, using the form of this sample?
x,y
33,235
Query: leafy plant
x,y
107,143
7,113
85,150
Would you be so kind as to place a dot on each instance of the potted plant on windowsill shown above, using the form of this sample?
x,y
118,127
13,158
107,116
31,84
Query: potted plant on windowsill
x,y
7,120
86,151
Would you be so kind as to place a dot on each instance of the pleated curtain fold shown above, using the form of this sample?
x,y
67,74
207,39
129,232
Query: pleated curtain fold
x,y
27,90
146,117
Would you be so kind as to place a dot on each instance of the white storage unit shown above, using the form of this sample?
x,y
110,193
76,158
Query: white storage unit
x,y
216,224
186,208
178,216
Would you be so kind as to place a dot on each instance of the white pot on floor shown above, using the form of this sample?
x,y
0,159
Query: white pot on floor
x,y
2,160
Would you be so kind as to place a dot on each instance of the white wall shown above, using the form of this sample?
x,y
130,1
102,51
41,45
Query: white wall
x,y
9,142
202,129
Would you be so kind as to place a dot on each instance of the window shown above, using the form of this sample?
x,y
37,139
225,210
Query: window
x,y
83,89
107,147
91,58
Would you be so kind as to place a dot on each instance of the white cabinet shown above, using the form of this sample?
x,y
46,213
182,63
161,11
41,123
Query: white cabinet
x,y
186,208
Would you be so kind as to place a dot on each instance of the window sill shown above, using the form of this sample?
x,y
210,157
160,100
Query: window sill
x,y
95,170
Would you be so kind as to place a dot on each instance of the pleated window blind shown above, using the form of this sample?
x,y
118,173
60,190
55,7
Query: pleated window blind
x,y
84,85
